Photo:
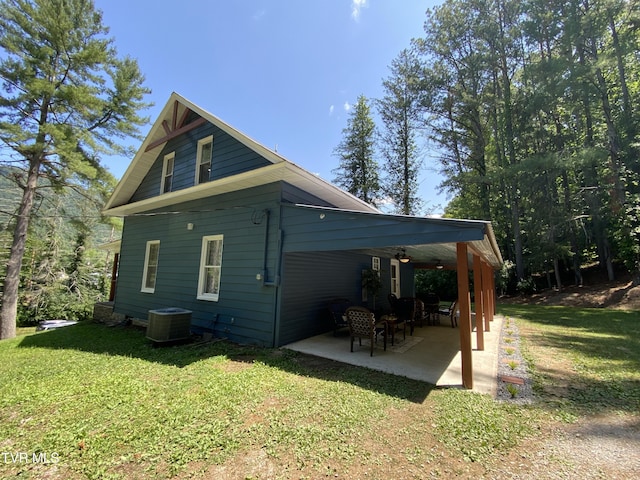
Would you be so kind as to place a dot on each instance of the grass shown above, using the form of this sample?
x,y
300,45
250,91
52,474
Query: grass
x,y
106,404
600,346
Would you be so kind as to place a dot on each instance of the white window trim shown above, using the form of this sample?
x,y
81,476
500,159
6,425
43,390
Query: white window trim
x,y
167,157
201,142
212,297
375,263
145,272
396,284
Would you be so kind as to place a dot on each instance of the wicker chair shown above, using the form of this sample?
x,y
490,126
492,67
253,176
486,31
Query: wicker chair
x,y
362,324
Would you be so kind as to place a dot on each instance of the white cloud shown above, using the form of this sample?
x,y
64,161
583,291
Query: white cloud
x,y
347,106
356,6
331,110
257,16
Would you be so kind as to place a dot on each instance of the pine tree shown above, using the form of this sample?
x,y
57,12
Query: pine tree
x,y
399,110
358,169
67,99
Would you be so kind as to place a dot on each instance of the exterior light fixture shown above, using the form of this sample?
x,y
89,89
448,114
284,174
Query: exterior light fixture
x,y
403,258
439,265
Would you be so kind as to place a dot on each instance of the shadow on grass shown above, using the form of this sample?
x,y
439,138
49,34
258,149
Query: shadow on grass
x,y
131,342
602,348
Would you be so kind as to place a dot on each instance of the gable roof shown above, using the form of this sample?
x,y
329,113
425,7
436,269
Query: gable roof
x,y
169,125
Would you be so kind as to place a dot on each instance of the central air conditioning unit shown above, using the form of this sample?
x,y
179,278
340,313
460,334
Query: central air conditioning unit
x,y
169,325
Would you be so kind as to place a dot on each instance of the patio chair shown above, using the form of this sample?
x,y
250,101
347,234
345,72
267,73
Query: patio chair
x,y
451,312
431,305
421,313
406,313
393,302
338,311
362,324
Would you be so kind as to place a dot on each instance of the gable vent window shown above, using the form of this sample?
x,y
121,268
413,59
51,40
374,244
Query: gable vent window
x,y
203,167
167,172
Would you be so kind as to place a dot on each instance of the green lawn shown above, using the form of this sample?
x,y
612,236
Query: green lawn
x,y
99,402
600,346
109,405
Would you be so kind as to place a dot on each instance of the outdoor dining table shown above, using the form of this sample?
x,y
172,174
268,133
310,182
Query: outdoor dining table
x,y
390,321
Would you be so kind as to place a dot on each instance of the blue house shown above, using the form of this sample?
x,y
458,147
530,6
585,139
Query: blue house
x,y
256,246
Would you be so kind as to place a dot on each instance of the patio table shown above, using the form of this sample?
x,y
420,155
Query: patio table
x,y
390,320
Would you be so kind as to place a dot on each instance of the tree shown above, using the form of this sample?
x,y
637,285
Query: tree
x,y
400,111
67,99
358,169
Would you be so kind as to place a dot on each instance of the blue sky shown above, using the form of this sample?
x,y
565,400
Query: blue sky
x,y
283,72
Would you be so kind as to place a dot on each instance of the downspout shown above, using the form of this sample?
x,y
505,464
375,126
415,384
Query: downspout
x,y
276,283
265,253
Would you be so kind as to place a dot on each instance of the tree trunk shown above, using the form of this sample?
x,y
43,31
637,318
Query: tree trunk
x,y
9,310
556,270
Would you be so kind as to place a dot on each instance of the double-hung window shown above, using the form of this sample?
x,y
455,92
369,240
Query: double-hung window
x,y
167,172
210,268
150,271
395,277
203,162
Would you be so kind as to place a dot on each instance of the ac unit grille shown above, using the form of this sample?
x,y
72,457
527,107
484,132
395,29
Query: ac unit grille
x,y
169,324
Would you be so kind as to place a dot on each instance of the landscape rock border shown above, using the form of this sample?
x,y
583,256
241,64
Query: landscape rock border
x,y
513,368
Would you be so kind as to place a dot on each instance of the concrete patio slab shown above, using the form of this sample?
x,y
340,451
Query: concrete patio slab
x,y
436,359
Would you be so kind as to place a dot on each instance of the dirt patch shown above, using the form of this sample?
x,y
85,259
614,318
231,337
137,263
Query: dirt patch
x,y
621,294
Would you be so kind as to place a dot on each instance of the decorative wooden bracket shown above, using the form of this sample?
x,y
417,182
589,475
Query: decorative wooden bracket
x,y
177,126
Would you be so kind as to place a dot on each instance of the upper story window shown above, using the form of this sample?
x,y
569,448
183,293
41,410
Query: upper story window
x,y
150,271
167,172
203,162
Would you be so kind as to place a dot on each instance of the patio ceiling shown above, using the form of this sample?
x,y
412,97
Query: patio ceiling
x,y
429,256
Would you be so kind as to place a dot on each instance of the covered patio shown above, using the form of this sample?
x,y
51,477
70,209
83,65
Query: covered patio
x,y
436,358
467,246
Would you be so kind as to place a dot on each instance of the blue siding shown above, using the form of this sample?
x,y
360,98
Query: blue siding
x,y
309,229
245,311
230,157
312,279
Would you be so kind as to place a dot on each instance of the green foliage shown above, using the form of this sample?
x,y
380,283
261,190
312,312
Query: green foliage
x,y
67,100
443,283
399,111
534,109
65,273
358,169
526,286
371,281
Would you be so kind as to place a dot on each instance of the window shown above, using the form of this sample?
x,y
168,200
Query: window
x,y
210,268
150,266
375,263
167,172
203,163
395,277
